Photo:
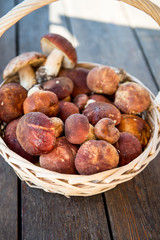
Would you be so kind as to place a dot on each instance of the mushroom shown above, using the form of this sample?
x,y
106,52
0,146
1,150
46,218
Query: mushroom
x,y
66,109
132,98
78,76
10,139
12,96
128,147
103,79
105,130
77,129
60,52
61,158
23,65
61,86
42,101
99,98
36,133
96,156
98,110
137,126
80,101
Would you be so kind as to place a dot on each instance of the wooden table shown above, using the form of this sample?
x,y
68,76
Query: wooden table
x,y
106,32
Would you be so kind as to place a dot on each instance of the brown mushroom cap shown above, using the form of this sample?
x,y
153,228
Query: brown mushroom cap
x,y
103,79
96,156
10,139
77,128
137,126
12,96
36,133
42,101
105,130
78,76
33,59
80,101
128,147
132,98
51,41
99,98
98,110
61,158
61,86
66,109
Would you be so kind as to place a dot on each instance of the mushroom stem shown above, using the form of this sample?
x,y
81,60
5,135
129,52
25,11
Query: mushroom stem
x,y
34,89
53,62
27,77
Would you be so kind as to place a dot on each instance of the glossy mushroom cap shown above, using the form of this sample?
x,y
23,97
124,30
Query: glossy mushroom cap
x,y
61,86
12,96
78,76
51,41
132,98
36,133
77,128
98,110
61,158
10,139
96,156
103,79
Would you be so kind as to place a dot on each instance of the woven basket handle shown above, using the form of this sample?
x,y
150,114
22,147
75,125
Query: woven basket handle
x,y
27,6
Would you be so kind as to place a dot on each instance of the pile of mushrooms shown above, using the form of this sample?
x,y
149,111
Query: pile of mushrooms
x,y
71,119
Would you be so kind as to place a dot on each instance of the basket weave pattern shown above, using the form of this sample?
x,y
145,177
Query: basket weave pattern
x,y
79,185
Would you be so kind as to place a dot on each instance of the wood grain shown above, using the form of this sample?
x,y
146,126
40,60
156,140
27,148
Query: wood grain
x,y
8,179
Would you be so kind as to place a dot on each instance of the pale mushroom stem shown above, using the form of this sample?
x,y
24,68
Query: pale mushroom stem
x,y
53,62
27,77
34,89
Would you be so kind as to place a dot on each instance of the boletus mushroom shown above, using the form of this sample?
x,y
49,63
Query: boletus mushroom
x,y
128,147
61,86
66,109
36,133
59,52
12,96
10,139
42,101
96,156
137,126
98,110
23,66
77,129
61,158
105,130
132,98
78,76
103,79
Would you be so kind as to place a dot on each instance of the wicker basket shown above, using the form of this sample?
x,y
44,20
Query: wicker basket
x,y
80,185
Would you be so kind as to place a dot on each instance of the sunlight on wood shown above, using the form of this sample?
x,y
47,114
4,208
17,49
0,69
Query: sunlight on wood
x,y
99,12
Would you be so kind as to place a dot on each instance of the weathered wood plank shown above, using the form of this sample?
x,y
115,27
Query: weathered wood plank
x,y
51,216
148,33
105,37
8,179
